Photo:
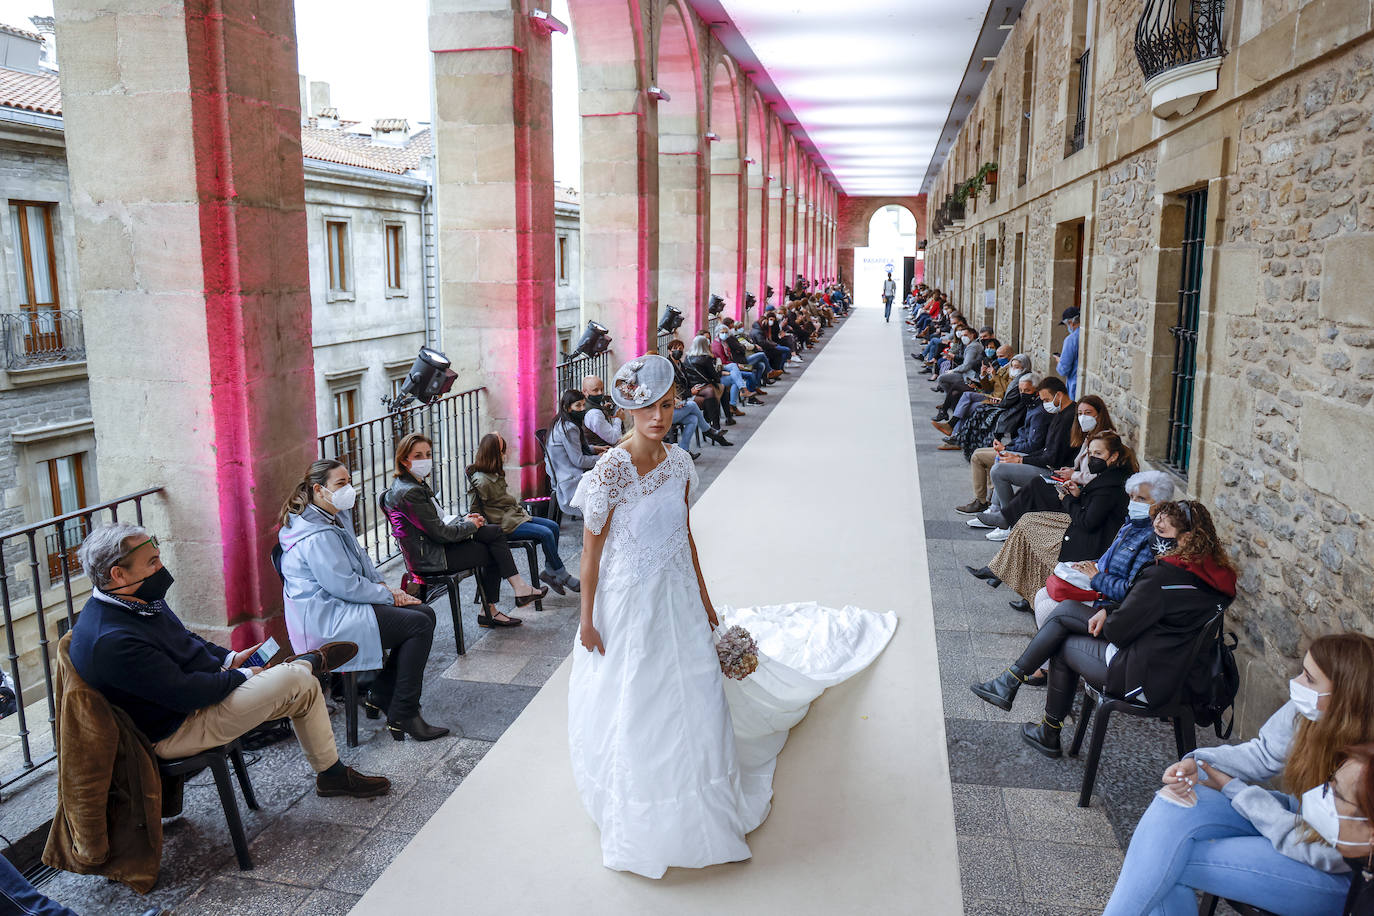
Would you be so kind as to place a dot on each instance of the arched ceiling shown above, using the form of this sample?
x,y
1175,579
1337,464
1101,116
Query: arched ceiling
x,y
870,83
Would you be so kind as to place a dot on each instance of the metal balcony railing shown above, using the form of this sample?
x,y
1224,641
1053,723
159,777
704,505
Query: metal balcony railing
x,y
1172,33
42,337
1080,120
35,560
569,374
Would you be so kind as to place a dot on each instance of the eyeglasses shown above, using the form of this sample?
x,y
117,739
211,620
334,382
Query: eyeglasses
x,y
132,550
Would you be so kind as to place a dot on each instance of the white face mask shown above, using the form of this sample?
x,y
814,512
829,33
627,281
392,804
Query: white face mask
x,y
1137,510
1052,407
1305,699
1087,423
1319,810
421,467
343,498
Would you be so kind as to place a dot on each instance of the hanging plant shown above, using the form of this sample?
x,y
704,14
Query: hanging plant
x,y
988,172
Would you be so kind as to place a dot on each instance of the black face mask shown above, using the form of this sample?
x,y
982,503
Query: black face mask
x,y
1096,465
1162,546
155,587
598,400
577,416
1030,400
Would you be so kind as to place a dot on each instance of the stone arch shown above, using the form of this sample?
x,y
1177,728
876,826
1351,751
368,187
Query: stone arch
x,y
728,197
683,232
855,213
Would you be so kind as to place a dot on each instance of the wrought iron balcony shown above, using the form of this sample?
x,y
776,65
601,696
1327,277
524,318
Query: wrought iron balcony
x,y
1179,46
43,337
1080,120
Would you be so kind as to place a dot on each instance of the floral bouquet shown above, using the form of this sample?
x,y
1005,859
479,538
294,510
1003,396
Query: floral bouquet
x,y
738,653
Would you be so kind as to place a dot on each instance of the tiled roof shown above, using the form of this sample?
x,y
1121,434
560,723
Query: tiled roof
x,y
346,148
385,124
30,91
22,33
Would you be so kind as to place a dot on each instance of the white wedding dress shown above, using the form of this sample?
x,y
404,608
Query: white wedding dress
x,y
674,761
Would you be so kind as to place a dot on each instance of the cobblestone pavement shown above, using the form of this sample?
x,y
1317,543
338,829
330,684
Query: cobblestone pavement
x,y
1025,848
317,856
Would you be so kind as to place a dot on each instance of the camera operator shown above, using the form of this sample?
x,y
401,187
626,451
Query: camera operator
x,y
595,422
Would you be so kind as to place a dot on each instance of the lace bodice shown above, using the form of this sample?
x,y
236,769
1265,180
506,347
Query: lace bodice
x,y
648,515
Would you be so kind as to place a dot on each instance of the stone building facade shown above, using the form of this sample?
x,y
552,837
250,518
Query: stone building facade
x,y
1240,232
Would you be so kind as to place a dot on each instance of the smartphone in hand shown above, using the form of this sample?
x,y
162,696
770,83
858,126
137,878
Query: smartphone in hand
x,y
263,655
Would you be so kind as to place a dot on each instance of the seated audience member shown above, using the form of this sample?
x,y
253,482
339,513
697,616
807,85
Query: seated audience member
x,y
1139,542
333,592
739,348
493,498
994,378
1029,438
1352,792
982,408
960,379
1039,495
1013,471
568,453
1225,833
602,420
772,326
1137,649
992,421
700,368
747,383
699,395
777,355
431,541
187,695
1087,520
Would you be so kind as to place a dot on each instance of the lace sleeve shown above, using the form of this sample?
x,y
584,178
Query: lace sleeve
x,y
602,489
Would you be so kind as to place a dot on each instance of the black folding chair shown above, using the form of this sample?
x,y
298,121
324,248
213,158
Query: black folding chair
x,y
350,678
1175,709
1208,907
555,510
218,759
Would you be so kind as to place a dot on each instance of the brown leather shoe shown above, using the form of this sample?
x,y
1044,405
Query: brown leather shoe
x,y
351,784
943,427
949,447
328,656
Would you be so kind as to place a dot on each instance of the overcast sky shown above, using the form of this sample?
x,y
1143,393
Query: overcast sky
x,y
378,66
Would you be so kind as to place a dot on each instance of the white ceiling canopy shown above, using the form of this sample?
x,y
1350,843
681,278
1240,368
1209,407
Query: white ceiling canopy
x,y
870,82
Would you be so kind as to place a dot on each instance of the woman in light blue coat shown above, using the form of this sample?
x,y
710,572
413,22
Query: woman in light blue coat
x,y
333,592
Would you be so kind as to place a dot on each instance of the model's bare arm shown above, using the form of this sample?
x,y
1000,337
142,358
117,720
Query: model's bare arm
x,y
592,545
701,581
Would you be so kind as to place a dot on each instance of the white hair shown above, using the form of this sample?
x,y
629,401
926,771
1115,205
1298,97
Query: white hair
x,y
104,547
1161,485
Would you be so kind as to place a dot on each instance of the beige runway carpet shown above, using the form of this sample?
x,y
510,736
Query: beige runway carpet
x,y
862,819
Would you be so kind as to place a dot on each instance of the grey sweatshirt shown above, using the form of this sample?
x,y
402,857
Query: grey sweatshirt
x,y
1274,814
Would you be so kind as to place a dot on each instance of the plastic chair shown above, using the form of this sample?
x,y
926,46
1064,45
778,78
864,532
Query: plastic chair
x,y
1176,709
350,678
430,581
530,545
218,759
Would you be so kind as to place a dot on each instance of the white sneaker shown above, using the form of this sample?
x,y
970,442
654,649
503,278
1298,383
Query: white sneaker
x,y
976,522
998,534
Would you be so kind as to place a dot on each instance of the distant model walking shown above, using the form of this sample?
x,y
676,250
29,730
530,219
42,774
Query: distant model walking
x,y
889,293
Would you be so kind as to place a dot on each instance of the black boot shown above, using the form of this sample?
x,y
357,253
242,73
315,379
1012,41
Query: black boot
x,y
987,575
1044,736
1022,605
1001,690
417,728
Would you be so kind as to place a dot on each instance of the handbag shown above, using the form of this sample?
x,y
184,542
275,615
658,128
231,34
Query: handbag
x,y
1068,584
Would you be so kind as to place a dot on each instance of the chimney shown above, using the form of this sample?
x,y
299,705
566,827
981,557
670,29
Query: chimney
x,y
319,98
390,132
305,99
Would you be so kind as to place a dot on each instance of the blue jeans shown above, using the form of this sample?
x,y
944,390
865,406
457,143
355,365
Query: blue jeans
x,y
19,896
545,531
1213,848
758,363
692,420
887,307
933,348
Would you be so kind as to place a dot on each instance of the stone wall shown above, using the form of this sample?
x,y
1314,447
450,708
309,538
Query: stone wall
x,y
1285,365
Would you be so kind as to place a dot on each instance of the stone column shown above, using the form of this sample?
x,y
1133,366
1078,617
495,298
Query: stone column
x,y
756,259
777,241
619,222
183,144
494,212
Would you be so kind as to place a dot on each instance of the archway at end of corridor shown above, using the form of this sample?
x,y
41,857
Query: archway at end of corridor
x,y
891,247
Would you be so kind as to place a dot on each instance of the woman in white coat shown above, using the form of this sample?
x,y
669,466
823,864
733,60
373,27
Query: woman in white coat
x,y
333,592
568,454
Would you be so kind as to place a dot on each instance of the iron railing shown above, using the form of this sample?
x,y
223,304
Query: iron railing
x,y
1080,119
569,374
1180,445
1172,33
42,337
453,422
35,561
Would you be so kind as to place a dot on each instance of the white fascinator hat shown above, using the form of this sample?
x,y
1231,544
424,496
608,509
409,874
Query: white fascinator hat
x,y
641,382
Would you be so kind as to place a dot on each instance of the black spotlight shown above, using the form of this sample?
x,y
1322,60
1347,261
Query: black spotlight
x,y
717,306
768,296
595,340
750,300
430,377
669,321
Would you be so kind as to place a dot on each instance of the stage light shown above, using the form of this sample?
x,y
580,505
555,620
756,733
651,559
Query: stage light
x,y
659,95
669,321
430,377
594,341
717,306
547,23
750,300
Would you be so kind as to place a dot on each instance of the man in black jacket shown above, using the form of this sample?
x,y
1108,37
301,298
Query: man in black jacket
x,y
1014,472
186,694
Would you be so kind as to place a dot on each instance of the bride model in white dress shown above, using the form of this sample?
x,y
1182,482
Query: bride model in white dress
x,y
673,761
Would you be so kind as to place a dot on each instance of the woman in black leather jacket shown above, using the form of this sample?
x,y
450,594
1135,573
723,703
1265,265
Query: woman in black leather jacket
x,y
431,543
